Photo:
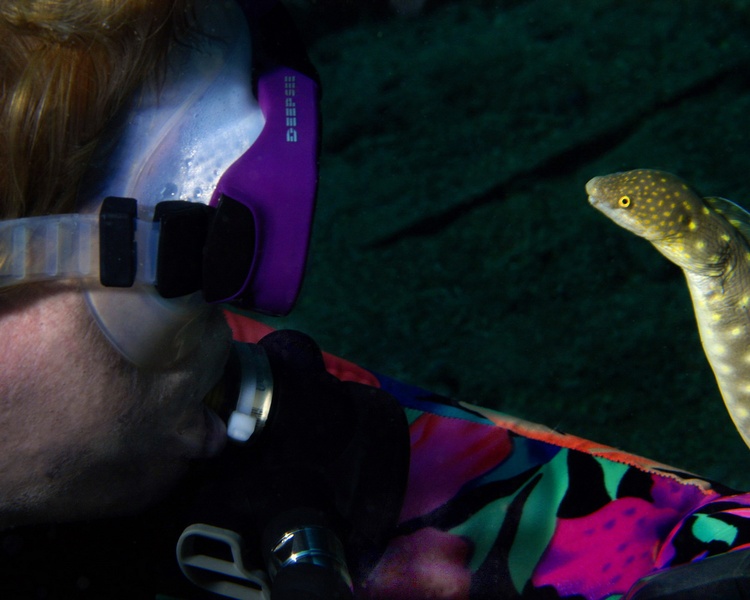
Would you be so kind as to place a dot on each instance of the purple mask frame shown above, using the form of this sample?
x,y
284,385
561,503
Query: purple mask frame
x,y
276,178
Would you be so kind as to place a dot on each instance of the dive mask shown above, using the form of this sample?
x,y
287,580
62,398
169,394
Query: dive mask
x,y
205,197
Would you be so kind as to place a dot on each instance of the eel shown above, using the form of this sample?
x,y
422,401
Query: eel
x,y
709,239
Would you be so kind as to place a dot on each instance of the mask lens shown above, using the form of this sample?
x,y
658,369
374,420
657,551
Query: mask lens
x,y
148,330
173,143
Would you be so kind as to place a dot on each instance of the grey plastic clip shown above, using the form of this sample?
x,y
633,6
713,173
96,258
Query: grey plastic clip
x,y
203,552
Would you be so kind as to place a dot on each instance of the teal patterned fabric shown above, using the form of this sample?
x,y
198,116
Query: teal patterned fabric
x,y
500,508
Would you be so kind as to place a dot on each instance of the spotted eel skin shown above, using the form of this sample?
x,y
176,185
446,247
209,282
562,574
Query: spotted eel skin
x,y
708,238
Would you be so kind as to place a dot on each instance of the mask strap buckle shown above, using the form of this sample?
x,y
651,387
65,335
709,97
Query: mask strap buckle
x,y
117,249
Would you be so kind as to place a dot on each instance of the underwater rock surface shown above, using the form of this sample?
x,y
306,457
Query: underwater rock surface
x,y
454,247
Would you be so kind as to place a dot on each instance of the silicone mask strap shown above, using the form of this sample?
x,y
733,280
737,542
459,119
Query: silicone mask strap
x,y
65,247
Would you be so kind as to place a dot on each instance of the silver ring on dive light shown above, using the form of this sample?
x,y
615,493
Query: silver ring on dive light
x,y
255,394
312,545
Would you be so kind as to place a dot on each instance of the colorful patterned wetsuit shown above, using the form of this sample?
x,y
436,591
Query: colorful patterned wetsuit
x,y
501,508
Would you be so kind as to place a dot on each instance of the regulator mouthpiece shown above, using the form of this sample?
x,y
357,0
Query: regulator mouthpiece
x,y
248,378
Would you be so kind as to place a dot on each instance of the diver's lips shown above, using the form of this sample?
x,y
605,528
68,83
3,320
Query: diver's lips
x,y
216,434
204,436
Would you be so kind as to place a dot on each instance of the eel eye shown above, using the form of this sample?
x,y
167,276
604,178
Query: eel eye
x,y
624,201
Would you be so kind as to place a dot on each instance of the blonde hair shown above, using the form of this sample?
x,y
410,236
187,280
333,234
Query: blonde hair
x,y
66,66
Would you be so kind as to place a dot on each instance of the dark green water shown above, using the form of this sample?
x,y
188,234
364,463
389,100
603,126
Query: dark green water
x,y
454,246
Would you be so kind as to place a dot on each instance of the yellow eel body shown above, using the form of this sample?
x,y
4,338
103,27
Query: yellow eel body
x,y
708,238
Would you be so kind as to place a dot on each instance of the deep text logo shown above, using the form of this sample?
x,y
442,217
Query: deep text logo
x,y
290,104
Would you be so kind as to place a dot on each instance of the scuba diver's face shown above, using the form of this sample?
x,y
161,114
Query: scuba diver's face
x,y
103,379
85,432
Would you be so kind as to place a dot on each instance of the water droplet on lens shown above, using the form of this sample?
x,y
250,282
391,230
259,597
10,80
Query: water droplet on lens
x,y
169,191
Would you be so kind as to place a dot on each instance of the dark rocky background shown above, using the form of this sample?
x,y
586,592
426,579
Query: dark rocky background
x,y
454,246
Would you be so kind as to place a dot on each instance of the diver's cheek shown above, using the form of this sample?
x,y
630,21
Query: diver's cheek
x,y
205,365
173,419
180,388
215,347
